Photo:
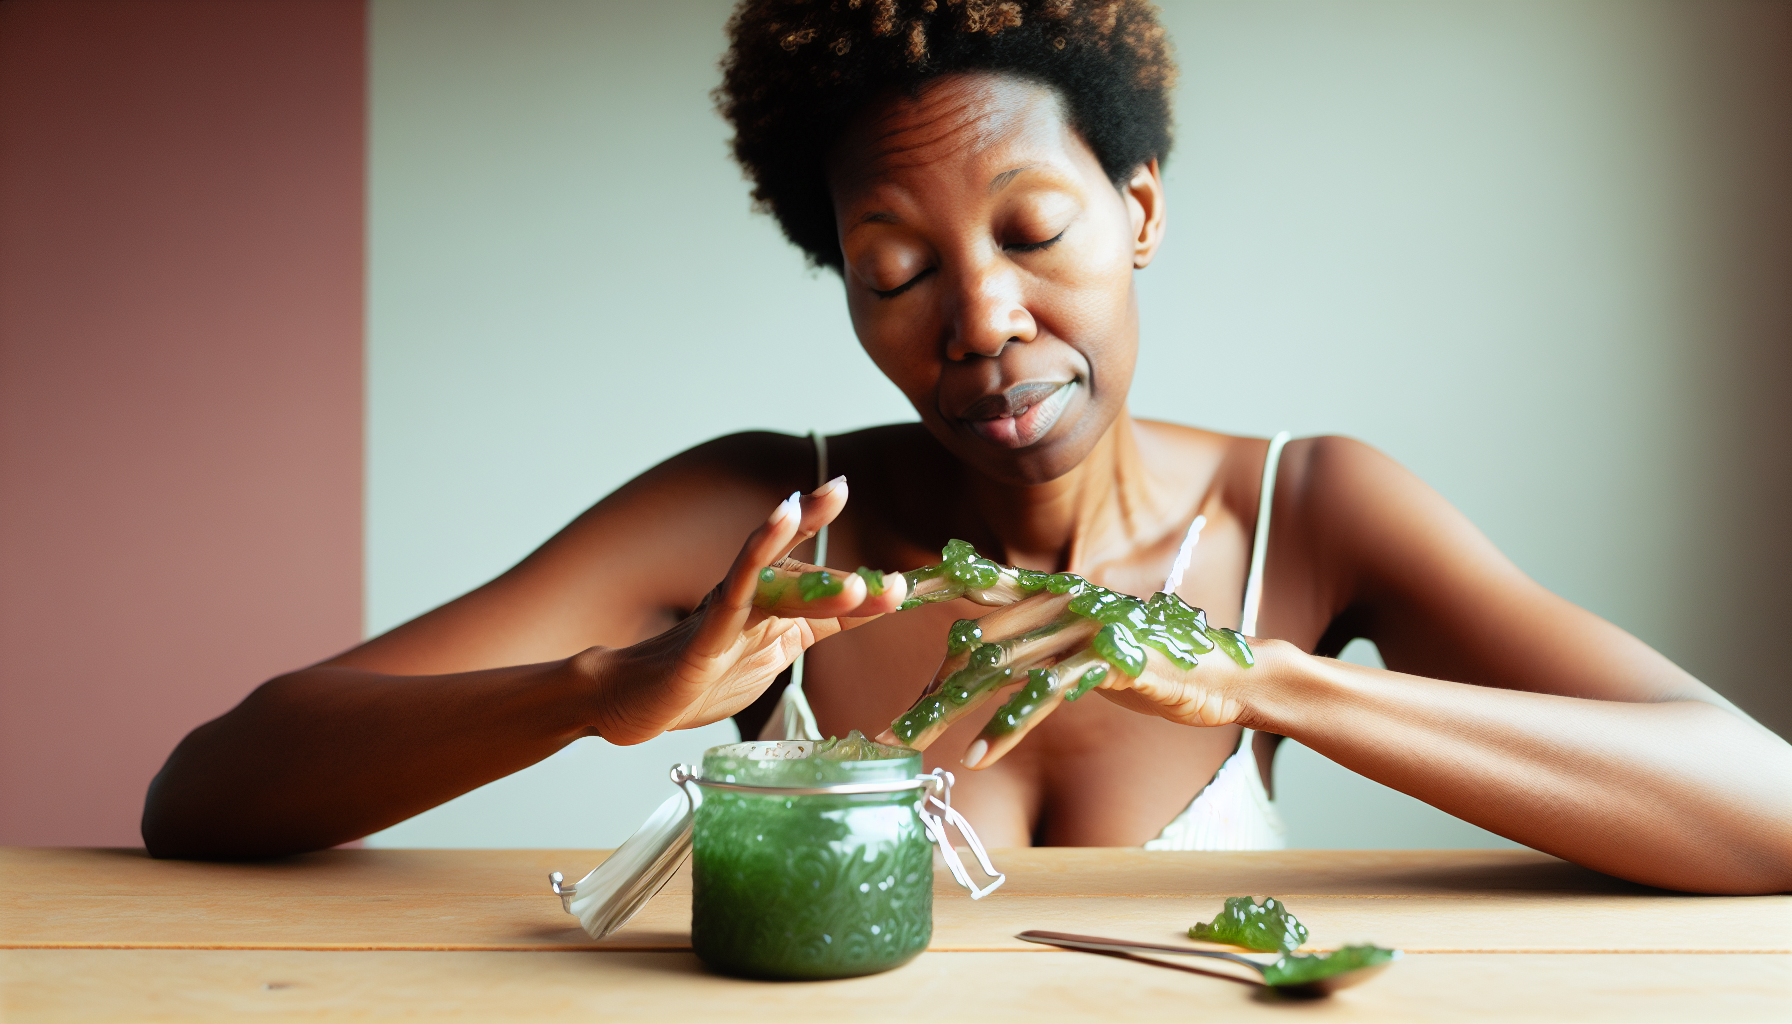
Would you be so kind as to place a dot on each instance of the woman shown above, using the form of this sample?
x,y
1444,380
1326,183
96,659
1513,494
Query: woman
x,y
984,177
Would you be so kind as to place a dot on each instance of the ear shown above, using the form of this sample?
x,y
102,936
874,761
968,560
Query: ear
x,y
1144,195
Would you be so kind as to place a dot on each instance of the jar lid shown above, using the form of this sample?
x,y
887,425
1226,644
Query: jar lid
x,y
634,873
808,763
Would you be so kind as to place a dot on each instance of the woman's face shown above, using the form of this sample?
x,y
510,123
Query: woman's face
x,y
989,269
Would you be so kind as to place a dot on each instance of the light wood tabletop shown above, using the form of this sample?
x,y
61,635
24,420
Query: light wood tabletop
x,y
1489,935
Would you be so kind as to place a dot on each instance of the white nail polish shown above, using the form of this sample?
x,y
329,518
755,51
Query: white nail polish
x,y
975,754
791,506
828,488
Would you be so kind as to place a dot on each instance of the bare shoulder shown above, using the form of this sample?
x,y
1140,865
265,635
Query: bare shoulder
x,y
694,509
1378,550
1333,474
1230,465
1360,512
745,466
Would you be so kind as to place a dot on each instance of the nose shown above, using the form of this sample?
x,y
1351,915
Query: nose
x,y
991,312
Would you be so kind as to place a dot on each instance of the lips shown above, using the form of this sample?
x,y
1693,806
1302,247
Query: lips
x,y
1021,415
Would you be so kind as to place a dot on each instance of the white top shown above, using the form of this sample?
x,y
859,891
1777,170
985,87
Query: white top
x,y
1233,811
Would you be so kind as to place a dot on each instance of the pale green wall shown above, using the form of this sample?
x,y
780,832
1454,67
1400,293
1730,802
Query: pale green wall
x,y
1488,238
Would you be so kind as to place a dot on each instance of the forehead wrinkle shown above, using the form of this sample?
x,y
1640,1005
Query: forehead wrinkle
x,y
940,126
913,139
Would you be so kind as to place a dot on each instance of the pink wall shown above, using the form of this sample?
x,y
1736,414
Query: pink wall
x,y
181,245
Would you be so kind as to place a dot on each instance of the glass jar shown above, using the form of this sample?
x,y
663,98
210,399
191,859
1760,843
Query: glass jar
x,y
809,884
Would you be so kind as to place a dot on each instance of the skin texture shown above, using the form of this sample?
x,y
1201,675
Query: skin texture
x,y
989,262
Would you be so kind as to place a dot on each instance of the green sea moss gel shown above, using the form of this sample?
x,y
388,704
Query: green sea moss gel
x,y
808,886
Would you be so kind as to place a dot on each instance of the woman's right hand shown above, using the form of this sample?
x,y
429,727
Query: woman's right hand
x,y
721,658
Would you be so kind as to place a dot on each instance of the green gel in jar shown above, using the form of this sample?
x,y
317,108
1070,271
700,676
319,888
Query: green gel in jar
x,y
810,886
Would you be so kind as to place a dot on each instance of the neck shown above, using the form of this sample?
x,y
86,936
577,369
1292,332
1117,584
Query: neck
x,y
1084,517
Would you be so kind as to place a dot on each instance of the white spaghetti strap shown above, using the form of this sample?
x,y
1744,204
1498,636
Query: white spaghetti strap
x,y
1183,555
793,719
821,477
1233,811
1253,586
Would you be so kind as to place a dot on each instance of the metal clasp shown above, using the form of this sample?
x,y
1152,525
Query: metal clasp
x,y
939,785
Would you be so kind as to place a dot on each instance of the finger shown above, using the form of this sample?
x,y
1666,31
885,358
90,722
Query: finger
x,y
819,508
796,519
1047,688
1002,624
977,579
797,589
726,613
989,668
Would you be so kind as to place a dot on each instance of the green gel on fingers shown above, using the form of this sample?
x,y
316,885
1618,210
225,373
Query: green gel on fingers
x,y
771,588
1267,927
874,581
1173,647
964,636
976,574
957,551
1233,643
1029,581
1117,645
987,656
1091,600
1063,583
814,586
1091,679
1304,968
1041,684
918,718
1123,609
965,684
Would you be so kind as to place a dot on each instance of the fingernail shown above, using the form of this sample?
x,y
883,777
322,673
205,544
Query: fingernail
x,y
790,506
975,754
828,488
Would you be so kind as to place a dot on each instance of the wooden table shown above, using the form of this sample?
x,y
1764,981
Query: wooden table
x,y
1489,934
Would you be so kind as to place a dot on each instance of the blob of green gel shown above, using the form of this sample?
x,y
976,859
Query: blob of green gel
x,y
1116,644
1305,968
816,585
964,635
1091,679
1233,643
1267,927
1041,684
918,718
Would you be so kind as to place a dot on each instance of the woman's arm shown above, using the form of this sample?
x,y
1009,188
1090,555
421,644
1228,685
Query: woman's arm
x,y
503,677
1559,730
1681,794
1554,728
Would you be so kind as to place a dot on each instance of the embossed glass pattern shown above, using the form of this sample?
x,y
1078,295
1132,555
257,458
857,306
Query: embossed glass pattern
x,y
807,886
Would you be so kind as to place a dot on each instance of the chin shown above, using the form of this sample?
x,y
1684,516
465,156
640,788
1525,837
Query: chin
x,y
1061,450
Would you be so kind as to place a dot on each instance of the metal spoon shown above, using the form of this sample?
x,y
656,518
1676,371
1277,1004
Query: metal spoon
x,y
1095,944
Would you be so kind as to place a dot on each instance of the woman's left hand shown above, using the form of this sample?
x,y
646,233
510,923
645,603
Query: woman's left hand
x,y
1158,657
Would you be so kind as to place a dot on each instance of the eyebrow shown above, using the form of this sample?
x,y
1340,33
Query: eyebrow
x,y
1001,181
996,184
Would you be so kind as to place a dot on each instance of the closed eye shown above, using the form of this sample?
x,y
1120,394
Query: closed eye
x,y
1035,246
904,286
